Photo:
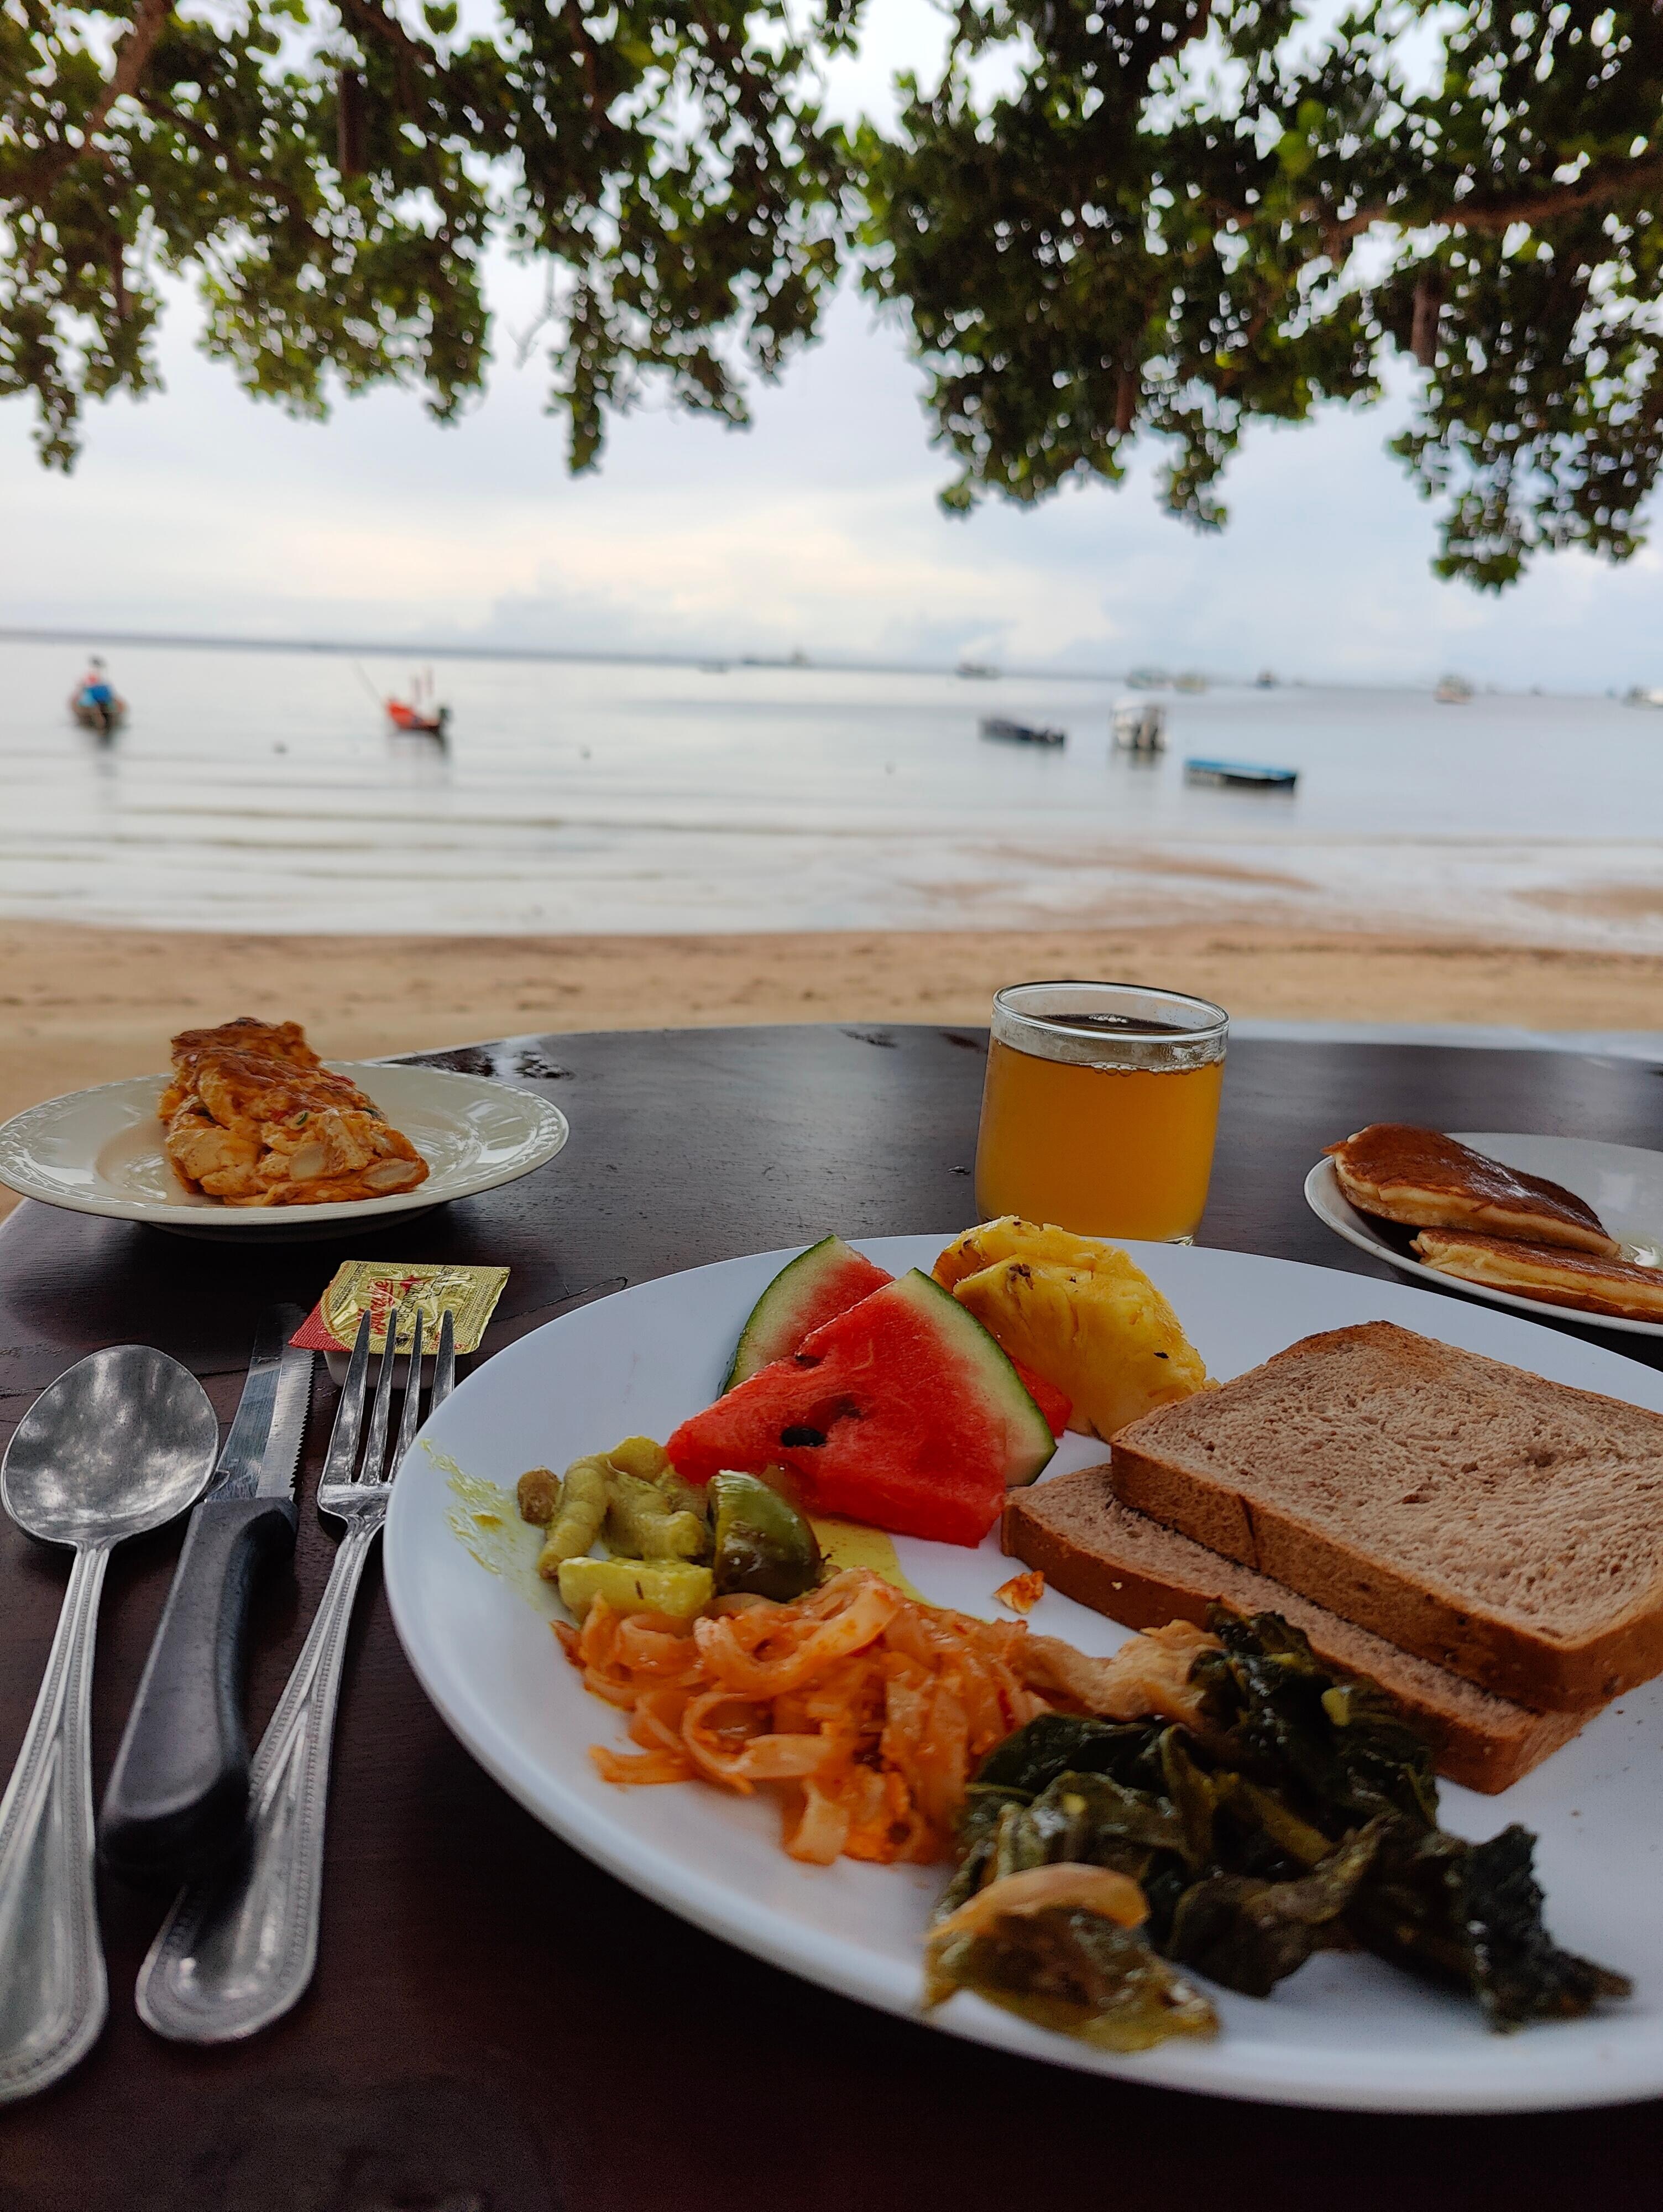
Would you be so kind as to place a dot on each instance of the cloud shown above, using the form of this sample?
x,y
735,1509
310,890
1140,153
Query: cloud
x,y
200,509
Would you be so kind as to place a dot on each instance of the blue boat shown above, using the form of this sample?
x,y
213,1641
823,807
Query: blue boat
x,y
1239,776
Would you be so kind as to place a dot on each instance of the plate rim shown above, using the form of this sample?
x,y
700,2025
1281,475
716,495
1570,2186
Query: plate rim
x,y
549,1140
1492,2080
1322,1184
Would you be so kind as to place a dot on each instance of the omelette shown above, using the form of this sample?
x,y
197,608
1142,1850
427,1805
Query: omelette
x,y
254,1118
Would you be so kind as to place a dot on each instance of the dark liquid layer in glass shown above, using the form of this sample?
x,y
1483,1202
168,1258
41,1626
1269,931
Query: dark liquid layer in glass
x,y
1135,1025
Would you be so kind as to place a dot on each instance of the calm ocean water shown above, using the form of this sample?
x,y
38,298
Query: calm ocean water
x,y
264,790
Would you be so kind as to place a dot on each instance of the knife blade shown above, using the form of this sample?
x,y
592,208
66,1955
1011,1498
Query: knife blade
x,y
178,1794
263,1449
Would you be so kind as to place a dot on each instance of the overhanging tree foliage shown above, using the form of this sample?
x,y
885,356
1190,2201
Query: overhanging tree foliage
x,y
332,175
1172,218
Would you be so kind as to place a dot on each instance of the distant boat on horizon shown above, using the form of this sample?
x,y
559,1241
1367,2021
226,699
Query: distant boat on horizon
x,y
1452,691
976,669
1640,695
104,716
1149,679
1020,733
1189,681
1240,776
419,716
1139,726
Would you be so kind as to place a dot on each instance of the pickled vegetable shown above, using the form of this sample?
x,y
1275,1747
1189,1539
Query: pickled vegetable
x,y
670,1587
763,1545
640,1456
582,1510
640,1524
538,1493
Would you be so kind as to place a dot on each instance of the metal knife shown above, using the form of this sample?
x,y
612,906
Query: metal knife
x,y
178,1796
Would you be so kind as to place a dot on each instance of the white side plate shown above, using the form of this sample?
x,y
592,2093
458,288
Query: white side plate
x,y
1622,1183
1345,2031
100,1151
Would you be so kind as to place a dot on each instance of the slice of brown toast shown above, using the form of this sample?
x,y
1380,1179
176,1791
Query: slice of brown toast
x,y
1093,1548
1505,1527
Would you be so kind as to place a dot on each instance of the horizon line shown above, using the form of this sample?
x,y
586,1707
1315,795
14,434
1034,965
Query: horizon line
x,y
194,641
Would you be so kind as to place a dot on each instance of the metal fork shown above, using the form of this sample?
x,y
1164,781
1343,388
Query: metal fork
x,y
240,1945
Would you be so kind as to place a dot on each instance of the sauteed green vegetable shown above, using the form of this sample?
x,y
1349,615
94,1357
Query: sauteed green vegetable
x,y
1301,1816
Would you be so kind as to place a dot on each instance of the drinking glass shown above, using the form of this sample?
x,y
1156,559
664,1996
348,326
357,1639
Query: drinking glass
x,y
1100,1108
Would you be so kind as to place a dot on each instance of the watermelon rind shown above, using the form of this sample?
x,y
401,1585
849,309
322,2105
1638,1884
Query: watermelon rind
x,y
990,1374
778,1320
901,1410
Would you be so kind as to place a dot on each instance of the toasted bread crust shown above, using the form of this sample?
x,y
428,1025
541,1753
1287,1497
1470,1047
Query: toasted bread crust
x,y
1429,1181
1103,1554
1547,1271
1297,1470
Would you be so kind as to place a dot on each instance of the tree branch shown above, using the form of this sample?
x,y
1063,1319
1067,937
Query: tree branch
x,y
409,54
1601,183
130,58
200,135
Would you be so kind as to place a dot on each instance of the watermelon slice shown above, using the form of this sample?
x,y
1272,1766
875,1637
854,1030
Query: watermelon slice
x,y
902,1411
1054,1403
816,1287
809,1290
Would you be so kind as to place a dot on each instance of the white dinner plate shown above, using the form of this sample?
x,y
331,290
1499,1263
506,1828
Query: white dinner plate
x,y
1621,1182
100,1151
1346,2029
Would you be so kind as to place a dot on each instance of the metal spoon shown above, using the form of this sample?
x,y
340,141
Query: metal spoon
x,y
122,1443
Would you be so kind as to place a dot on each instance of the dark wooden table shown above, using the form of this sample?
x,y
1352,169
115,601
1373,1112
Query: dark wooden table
x,y
497,2025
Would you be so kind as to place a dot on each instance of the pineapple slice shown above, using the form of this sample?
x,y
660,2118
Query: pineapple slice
x,y
1079,1313
1010,1237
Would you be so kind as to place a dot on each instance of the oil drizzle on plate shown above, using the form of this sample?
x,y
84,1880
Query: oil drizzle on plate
x,y
485,1521
850,1544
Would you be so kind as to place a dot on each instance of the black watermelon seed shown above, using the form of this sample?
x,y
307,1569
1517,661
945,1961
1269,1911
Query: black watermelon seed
x,y
801,1435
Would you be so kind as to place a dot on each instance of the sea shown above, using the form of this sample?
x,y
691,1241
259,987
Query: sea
x,y
257,789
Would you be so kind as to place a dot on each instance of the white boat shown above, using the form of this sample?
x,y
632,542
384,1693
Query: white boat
x,y
1641,697
1452,691
1140,726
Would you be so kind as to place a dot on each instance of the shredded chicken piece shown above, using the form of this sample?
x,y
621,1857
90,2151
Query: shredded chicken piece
x,y
1150,1673
1023,1592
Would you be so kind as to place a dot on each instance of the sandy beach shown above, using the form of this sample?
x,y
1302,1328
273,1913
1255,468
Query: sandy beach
x,y
86,1004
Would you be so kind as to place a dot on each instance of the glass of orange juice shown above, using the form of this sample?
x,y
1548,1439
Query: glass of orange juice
x,y
1100,1108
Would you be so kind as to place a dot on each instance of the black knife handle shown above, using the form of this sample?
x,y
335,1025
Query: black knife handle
x,y
178,1791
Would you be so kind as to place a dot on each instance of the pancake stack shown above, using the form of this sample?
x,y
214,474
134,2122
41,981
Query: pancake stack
x,y
1489,1225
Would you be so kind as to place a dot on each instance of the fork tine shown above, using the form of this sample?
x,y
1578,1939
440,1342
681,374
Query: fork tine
x,y
410,1419
443,1366
350,1413
375,1451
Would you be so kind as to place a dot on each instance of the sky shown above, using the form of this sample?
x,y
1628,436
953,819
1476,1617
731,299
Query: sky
x,y
817,529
